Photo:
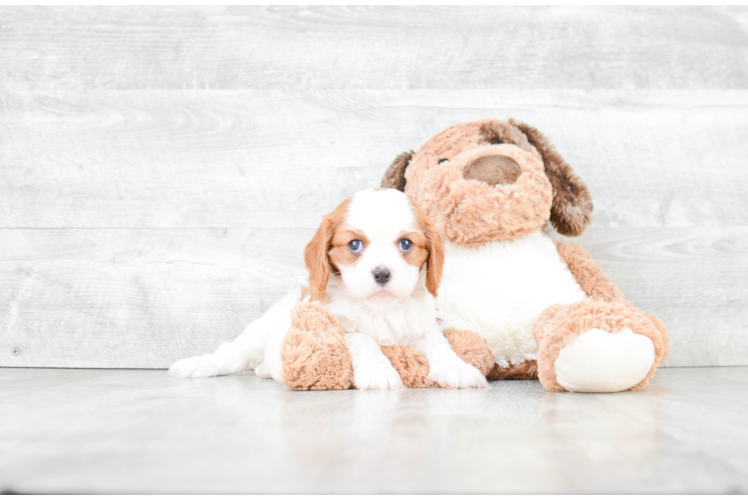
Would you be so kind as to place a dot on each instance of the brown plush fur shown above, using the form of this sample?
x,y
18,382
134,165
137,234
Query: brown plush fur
x,y
314,353
593,281
411,365
492,131
461,207
471,212
570,208
472,349
572,205
395,175
657,322
560,324
527,370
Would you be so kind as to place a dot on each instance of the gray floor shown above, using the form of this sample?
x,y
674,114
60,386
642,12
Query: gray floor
x,y
140,431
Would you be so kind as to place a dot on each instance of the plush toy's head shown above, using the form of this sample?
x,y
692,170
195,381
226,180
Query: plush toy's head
x,y
489,180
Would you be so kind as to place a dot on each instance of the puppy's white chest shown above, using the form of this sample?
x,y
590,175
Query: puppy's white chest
x,y
499,289
393,322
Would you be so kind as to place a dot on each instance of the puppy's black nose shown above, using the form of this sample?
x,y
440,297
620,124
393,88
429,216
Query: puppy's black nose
x,y
381,276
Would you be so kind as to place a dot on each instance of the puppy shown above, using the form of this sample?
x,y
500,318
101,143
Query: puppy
x,y
375,263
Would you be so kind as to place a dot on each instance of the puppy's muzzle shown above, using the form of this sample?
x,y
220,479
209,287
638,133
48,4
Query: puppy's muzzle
x,y
493,170
381,275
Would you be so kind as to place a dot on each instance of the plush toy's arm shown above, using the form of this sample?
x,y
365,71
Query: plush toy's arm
x,y
413,366
316,356
314,353
594,282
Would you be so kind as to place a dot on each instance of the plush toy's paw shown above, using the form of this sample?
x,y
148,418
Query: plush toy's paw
x,y
226,360
595,346
458,376
410,365
377,376
600,361
314,353
472,349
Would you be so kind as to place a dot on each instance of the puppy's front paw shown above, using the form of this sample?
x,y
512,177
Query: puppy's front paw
x,y
458,376
377,377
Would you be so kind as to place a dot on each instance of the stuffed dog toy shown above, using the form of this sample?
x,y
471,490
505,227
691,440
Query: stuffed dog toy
x,y
544,307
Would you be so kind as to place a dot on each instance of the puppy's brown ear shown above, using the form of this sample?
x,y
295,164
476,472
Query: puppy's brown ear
x,y
435,248
316,255
572,206
435,262
316,260
394,177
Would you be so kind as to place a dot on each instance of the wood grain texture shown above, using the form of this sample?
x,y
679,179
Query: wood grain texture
x,y
84,48
143,298
273,159
136,298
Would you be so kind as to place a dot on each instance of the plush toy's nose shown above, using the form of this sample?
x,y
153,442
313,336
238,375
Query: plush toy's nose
x,y
493,170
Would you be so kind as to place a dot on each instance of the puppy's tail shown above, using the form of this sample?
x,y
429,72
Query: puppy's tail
x,y
248,349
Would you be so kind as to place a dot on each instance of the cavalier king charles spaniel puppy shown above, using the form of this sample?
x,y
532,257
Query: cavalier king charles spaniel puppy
x,y
375,263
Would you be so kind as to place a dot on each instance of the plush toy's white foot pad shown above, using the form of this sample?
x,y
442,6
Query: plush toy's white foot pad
x,y
600,361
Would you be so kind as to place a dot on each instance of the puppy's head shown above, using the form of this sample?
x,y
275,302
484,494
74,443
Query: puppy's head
x,y
379,243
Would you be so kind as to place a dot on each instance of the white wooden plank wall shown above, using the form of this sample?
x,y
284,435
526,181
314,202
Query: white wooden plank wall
x,y
85,48
162,168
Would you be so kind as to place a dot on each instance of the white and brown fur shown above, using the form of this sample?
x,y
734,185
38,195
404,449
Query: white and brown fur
x,y
401,310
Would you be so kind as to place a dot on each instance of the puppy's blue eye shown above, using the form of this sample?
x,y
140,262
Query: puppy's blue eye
x,y
495,143
405,244
355,246
443,160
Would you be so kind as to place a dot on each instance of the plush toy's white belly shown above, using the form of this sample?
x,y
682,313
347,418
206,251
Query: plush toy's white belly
x,y
499,289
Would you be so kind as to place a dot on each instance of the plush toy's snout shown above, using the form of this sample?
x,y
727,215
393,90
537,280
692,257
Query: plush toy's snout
x,y
493,169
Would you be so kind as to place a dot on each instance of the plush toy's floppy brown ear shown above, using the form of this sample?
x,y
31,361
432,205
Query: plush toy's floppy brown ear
x,y
572,206
394,177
